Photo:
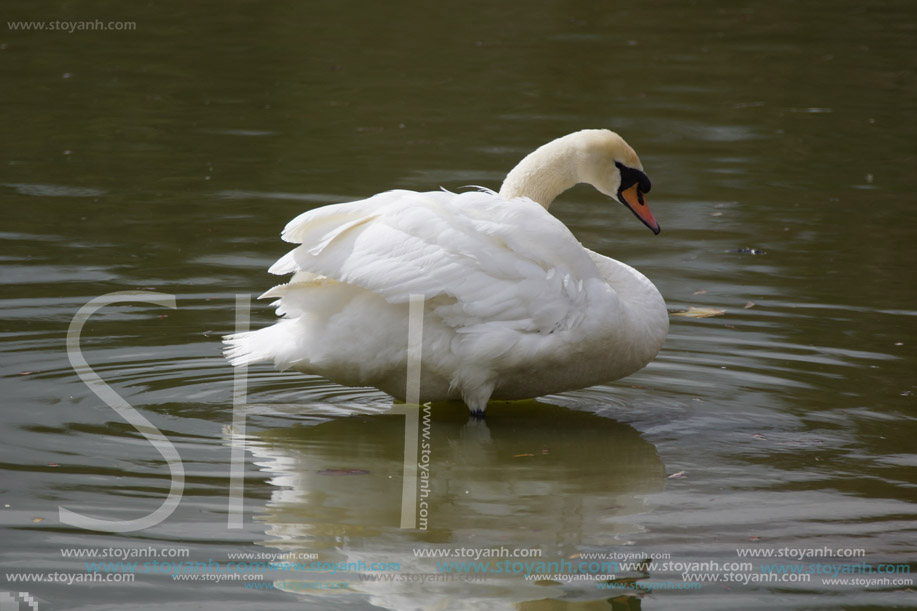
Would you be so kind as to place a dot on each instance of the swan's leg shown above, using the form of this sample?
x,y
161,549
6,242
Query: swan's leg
x,y
477,399
477,413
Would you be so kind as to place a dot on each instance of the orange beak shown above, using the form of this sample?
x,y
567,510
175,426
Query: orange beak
x,y
633,199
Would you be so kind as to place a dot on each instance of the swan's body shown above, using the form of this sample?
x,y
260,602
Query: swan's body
x,y
515,307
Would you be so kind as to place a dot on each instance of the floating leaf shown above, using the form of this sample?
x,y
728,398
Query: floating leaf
x,y
678,475
700,292
37,519
520,455
693,312
750,304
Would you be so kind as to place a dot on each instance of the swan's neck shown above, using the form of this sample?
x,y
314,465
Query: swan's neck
x,y
545,173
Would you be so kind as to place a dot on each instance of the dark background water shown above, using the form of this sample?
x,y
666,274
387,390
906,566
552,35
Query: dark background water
x,y
168,157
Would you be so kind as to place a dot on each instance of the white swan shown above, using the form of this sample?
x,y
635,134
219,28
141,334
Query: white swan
x,y
515,307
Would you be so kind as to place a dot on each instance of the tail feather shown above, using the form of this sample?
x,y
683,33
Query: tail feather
x,y
282,343
242,349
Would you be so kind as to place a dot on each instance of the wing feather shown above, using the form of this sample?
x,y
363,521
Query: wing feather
x,y
494,260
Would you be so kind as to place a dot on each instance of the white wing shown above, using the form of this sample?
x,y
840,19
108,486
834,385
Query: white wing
x,y
484,264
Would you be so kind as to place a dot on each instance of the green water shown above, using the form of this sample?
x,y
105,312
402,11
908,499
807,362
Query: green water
x,y
167,158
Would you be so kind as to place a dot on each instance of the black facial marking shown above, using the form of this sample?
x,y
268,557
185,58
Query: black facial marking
x,y
629,177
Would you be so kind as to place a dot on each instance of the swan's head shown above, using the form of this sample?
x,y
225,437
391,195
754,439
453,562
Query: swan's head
x,y
596,156
609,164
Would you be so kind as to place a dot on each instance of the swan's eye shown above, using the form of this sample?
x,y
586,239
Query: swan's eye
x,y
631,176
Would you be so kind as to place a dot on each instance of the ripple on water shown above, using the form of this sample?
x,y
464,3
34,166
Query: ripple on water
x,y
42,190
733,402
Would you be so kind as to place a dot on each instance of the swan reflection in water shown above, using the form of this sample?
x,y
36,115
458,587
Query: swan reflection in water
x,y
533,476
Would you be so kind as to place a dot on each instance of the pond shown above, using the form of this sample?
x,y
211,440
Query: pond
x,y
765,459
